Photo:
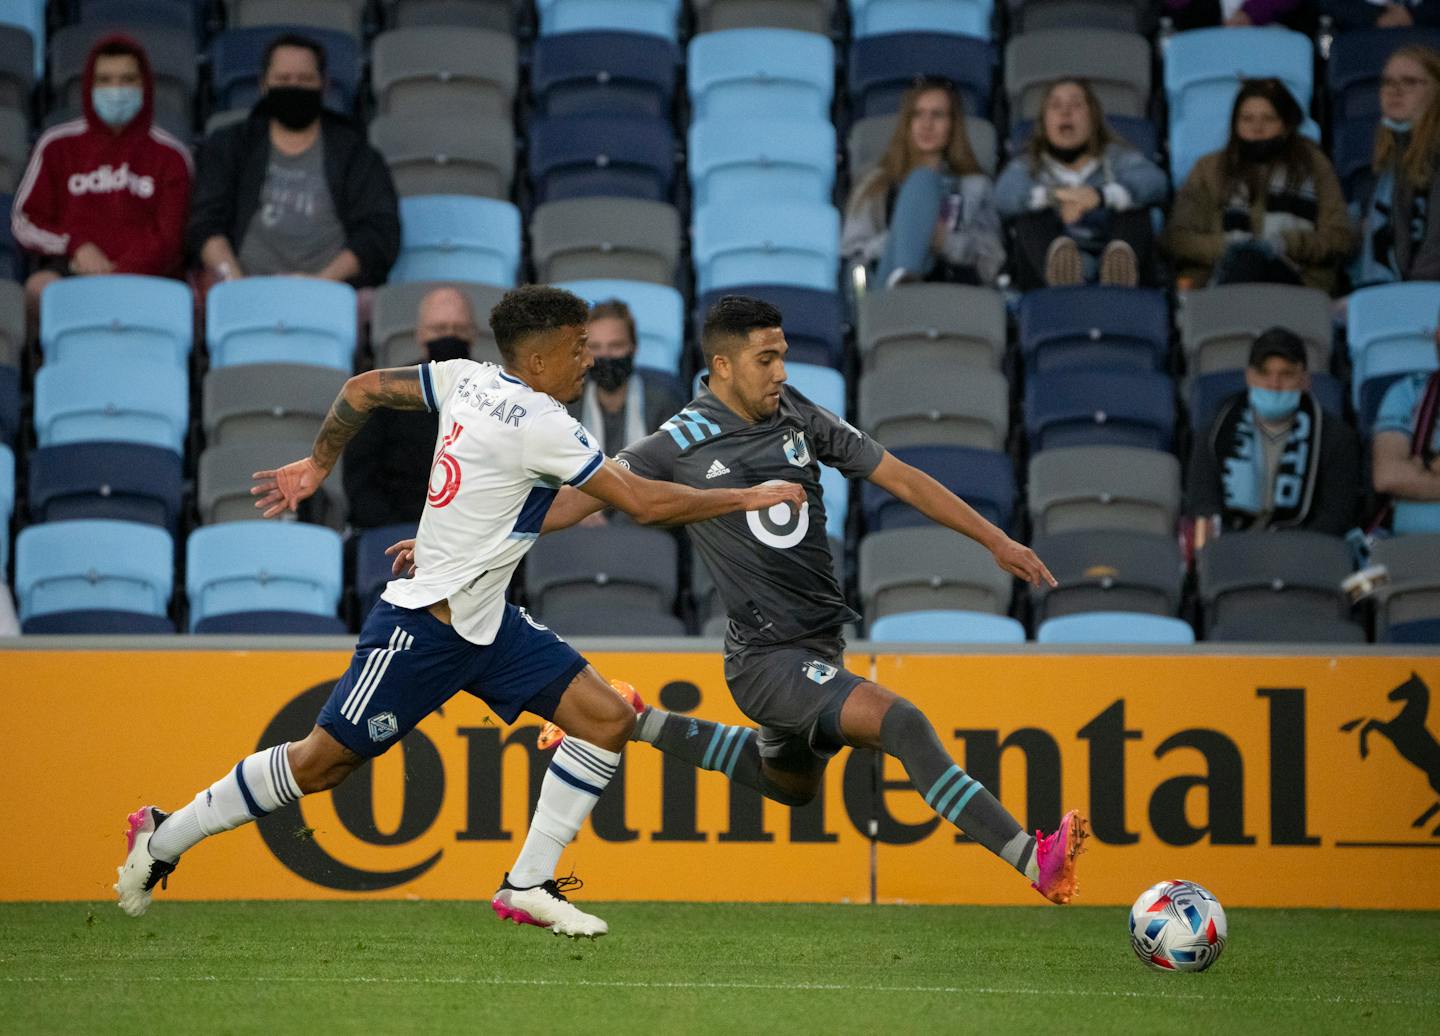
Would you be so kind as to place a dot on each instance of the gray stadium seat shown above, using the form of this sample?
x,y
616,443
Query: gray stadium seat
x,y
869,136
498,15
256,402
1117,64
902,407
444,70
804,15
1117,15
923,569
611,621
14,148
930,327
628,239
392,321
1104,487
1108,571
1261,624
1248,578
339,15
12,323
1414,589
169,49
1218,324
614,566
224,479
439,154
17,67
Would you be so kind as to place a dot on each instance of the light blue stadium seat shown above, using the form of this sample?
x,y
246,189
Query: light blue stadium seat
x,y
652,17
106,399
30,16
790,243
128,317
281,320
734,161
1114,628
777,73
93,564
659,312
263,566
1391,330
447,237
958,17
947,627
7,505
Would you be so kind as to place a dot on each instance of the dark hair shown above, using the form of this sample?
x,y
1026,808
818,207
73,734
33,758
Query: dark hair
x,y
1281,342
120,48
735,316
294,39
1101,135
531,310
1295,156
614,309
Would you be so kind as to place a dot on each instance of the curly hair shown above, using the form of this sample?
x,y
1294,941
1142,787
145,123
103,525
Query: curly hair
x,y
531,310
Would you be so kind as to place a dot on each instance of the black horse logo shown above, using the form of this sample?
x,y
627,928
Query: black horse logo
x,y
1411,738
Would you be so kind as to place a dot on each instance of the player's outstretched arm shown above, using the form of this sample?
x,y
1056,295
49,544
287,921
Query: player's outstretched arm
x,y
571,507
282,489
934,501
667,503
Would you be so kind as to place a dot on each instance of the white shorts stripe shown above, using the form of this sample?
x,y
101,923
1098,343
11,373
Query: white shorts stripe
x,y
355,687
374,683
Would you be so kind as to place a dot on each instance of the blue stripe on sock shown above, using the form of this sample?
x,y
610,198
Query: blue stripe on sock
x,y
723,754
959,807
250,803
710,748
575,782
735,755
939,784
943,802
587,756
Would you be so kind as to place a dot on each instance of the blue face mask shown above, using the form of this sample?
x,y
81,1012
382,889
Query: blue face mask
x,y
1274,405
1397,125
117,105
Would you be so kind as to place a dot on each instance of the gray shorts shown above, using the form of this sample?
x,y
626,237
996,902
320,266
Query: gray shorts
x,y
794,692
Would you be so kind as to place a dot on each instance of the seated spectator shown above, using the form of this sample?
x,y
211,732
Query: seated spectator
x,y
387,464
621,404
926,211
1405,449
1272,459
1202,14
1403,177
1382,14
106,193
1266,207
294,189
1078,197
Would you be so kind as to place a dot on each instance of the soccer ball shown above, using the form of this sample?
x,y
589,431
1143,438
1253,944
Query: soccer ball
x,y
1177,926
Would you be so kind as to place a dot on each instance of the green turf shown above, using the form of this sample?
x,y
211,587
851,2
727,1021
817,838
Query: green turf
x,y
329,968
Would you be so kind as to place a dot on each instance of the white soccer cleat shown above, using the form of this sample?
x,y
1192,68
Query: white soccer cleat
x,y
141,872
545,906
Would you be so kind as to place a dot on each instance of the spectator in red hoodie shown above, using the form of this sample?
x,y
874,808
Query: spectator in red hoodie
x,y
107,193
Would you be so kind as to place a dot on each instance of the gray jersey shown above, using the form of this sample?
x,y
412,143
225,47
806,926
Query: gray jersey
x,y
773,569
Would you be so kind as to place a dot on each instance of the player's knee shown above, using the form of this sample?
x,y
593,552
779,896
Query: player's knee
x,y
609,722
320,763
801,795
904,724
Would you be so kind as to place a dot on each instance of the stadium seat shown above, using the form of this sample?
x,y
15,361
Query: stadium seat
x,y
1352,73
106,399
985,479
1420,631
626,239
901,407
267,401
1391,331
910,570
120,317
14,147
12,323
436,154
7,505
773,73
1250,580
1094,328
1116,64
659,314
453,238
958,17
1219,324
1099,408
870,136
1114,628
169,48
124,481
611,621
498,15
334,15
96,622
1262,625
814,320
278,622
224,479
181,13
1352,151
931,327
281,320
733,161
787,243
262,566
9,405
604,73
29,16
372,567
1116,15
653,17
800,15
1108,570
946,627
18,66
883,67
1413,592
235,56
823,386
1210,390
93,564
613,566
587,156
392,321
441,70
1104,487
12,258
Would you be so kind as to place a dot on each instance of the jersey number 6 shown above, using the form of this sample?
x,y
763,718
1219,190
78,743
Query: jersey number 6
x,y
442,494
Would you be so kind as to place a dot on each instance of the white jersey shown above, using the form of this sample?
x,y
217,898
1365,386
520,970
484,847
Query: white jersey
x,y
503,452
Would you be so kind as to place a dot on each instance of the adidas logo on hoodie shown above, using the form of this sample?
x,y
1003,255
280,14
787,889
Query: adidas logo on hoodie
x,y
108,179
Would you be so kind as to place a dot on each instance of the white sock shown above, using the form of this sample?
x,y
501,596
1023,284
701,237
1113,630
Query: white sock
x,y
573,783
259,784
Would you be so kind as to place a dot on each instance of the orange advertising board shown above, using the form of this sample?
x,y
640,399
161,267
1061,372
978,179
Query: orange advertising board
x,y
1282,781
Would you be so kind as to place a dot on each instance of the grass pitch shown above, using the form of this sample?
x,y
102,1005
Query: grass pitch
x,y
427,967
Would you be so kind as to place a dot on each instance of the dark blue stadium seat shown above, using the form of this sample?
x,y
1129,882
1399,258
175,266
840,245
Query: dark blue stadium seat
x,y
292,623
235,56
128,481
1139,133
1210,390
584,156
814,320
1372,392
1095,327
97,621
1357,58
372,567
1099,408
9,404
604,73
984,478
882,68
12,259
1416,631
1354,148
181,14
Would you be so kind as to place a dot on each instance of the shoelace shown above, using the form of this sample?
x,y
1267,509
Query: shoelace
x,y
569,883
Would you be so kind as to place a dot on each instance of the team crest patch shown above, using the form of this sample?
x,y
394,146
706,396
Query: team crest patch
x,y
818,671
797,450
584,439
383,726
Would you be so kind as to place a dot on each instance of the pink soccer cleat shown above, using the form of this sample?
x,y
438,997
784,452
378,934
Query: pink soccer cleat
x,y
1055,857
550,735
140,872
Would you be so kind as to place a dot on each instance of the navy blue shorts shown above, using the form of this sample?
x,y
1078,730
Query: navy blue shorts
x,y
408,663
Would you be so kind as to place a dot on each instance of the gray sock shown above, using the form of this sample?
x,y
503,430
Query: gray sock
x,y
733,751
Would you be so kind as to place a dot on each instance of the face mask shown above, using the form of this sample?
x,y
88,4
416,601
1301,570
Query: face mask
x,y
294,107
1274,405
610,372
1259,151
1397,125
1065,154
448,347
117,105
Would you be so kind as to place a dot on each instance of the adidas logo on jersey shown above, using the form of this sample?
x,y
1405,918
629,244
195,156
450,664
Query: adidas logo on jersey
x,y
716,470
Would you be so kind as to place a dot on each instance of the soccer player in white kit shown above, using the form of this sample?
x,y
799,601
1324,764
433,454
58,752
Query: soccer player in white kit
x,y
506,446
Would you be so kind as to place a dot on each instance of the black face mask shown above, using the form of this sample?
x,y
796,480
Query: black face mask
x,y
448,347
611,372
1258,152
1065,154
294,107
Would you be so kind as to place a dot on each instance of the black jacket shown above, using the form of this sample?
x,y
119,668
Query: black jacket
x,y
387,467
230,175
